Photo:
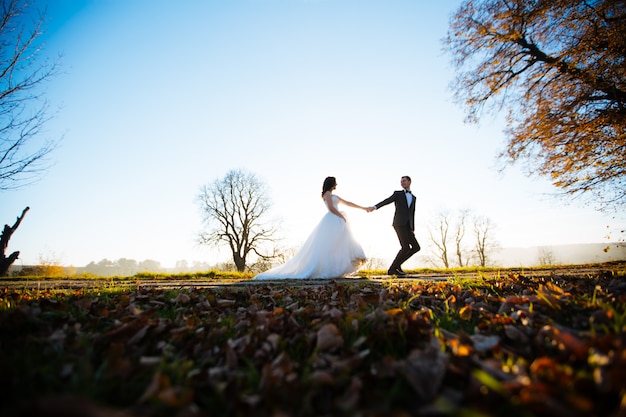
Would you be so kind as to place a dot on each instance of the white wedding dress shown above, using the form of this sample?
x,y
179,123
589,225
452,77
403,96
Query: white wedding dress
x,y
331,251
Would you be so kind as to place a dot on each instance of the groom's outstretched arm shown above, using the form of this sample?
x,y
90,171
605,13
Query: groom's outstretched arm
x,y
386,201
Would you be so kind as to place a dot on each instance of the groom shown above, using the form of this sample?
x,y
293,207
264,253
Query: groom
x,y
403,223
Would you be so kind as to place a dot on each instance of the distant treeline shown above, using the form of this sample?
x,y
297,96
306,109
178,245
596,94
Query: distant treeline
x,y
120,267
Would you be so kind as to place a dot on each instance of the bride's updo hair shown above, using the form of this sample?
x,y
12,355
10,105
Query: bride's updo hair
x,y
329,183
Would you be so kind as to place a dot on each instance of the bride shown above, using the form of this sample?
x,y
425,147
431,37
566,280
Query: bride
x,y
331,251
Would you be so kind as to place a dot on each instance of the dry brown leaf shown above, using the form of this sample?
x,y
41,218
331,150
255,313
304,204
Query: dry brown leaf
x,y
321,377
329,338
231,355
129,329
85,303
515,334
181,298
484,343
424,371
225,303
175,396
136,338
159,382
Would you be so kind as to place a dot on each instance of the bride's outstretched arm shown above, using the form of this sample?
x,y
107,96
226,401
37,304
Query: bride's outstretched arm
x,y
351,204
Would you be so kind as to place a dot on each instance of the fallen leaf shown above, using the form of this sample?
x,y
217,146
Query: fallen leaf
x,y
466,312
329,338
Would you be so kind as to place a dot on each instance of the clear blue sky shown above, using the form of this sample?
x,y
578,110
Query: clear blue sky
x,y
158,98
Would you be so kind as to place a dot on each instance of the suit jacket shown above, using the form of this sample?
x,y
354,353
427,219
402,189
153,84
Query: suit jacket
x,y
404,214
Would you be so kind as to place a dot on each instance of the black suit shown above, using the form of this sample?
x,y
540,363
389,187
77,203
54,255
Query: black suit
x,y
404,225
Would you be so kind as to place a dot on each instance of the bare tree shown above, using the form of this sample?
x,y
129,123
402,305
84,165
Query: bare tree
x,y
235,207
546,256
374,263
23,111
458,238
439,238
484,242
558,68
7,232
279,256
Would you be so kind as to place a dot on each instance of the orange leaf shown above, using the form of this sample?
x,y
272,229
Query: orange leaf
x,y
466,312
394,311
459,348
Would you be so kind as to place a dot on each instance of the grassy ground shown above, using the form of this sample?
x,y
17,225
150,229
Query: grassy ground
x,y
490,342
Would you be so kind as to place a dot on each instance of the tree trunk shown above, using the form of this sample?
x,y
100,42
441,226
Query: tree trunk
x,y
7,232
240,262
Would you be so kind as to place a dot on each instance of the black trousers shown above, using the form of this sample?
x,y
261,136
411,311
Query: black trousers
x,y
408,243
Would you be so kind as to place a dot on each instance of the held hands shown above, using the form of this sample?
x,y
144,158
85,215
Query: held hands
x,y
370,209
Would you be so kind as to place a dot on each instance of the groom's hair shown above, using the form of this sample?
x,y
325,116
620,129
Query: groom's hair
x,y
407,177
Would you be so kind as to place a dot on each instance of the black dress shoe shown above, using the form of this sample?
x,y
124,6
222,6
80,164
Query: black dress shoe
x,y
396,271
400,272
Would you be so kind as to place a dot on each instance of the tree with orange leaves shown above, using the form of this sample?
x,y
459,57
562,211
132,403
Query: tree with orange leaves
x,y
558,70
